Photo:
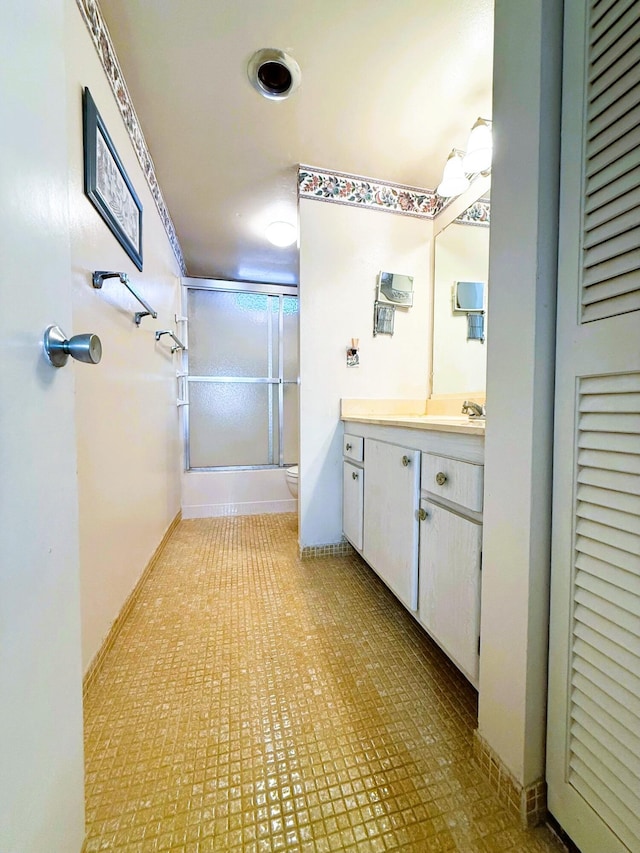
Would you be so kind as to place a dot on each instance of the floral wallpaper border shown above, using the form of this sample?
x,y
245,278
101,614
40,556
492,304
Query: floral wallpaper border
x,y
92,16
476,214
354,190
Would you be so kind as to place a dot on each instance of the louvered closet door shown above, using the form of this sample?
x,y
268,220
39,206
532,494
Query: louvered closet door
x,y
593,755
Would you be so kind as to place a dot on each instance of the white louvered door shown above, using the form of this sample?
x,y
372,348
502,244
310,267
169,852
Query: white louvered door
x,y
593,744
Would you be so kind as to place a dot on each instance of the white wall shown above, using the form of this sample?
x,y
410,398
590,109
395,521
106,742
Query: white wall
x,y
522,270
41,752
459,365
342,250
129,454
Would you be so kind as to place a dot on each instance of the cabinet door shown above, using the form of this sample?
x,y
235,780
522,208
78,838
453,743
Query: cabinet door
x,y
449,607
352,503
391,496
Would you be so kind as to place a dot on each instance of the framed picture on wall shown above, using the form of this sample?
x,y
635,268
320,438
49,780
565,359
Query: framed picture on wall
x,y
107,184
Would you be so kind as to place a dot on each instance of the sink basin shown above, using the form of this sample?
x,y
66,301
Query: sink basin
x,y
453,419
445,420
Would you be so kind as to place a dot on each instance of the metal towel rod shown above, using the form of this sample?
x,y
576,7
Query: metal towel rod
x,y
98,280
178,343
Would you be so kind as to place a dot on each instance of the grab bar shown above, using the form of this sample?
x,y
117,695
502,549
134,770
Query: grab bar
x,y
178,343
98,280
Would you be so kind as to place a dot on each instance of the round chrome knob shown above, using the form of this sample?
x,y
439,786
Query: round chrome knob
x,y
86,348
441,478
405,461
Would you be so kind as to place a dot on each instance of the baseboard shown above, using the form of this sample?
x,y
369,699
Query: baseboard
x,y
96,663
246,508
528,802
333,549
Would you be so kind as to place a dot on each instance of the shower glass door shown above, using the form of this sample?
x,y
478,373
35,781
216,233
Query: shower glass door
x,y
242,379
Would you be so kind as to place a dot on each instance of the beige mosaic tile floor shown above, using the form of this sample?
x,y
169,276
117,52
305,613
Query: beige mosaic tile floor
x,y
256,702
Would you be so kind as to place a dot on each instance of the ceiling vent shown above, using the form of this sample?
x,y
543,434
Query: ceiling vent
x,y
273,73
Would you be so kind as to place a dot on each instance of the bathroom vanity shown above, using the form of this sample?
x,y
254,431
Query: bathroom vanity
x,y
412,507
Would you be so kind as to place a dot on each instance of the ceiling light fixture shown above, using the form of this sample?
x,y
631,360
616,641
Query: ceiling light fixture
x,y
273,73
281,233
462,166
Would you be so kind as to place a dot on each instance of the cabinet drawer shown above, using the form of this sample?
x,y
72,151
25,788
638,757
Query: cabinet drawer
x,y
456,481
353,447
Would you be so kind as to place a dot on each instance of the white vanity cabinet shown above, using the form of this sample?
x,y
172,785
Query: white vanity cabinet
x,y
451,558
391,530
414,512
353,489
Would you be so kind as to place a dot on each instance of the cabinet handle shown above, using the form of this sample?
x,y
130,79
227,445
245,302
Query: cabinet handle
x,y
354,475
405,461
441,478
421,514
348,446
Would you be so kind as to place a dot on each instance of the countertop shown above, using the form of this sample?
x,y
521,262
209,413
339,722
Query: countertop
x,y
441,423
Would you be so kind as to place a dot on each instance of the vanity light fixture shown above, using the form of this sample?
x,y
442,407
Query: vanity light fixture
x,y
461,166
454,181
281,234
479,148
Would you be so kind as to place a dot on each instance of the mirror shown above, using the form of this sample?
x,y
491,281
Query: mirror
x,y
461,265
395,289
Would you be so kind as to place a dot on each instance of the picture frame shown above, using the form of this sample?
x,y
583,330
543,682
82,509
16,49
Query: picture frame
x,y
107,185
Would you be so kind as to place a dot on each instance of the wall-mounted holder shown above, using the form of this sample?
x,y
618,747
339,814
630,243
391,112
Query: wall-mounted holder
x,y
383,318
98,280
57,348
183,327
178,345
353,353
468,298
475,327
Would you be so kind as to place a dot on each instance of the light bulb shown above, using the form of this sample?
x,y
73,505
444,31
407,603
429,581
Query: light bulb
x,y
454,181
281,233
479,148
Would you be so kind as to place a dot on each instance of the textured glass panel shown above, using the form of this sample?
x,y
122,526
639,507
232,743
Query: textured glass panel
x,y
274,340
275,420
228,424
290,335
290,440
228,333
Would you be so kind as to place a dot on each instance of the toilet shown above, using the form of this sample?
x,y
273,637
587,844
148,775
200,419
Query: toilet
x,y
292,480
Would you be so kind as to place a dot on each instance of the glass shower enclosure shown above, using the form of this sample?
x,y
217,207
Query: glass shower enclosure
x,y
242,377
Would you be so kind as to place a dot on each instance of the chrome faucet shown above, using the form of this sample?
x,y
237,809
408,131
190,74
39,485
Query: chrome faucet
x,y
474,410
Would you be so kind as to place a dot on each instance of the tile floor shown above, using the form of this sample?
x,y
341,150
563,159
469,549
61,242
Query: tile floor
x,y
257,702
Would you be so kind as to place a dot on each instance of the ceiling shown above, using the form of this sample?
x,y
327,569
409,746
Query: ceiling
x,y
388,88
